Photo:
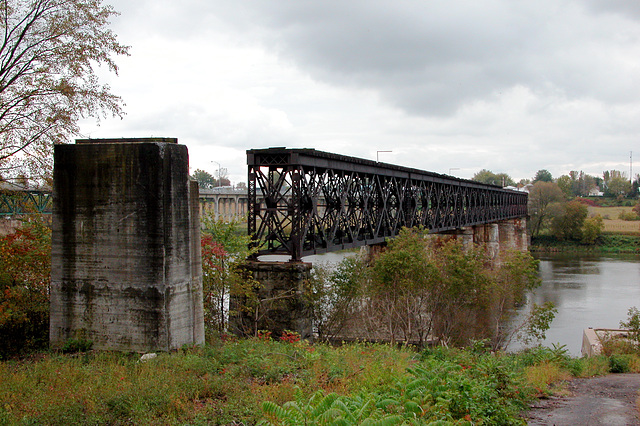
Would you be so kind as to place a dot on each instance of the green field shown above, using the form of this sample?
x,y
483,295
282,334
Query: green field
x,y
612,223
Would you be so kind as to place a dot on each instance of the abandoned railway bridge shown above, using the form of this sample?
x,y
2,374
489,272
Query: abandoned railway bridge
x,y
303,201
126,264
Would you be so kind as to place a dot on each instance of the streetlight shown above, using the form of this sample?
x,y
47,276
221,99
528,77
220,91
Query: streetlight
x,y
378,157
219,180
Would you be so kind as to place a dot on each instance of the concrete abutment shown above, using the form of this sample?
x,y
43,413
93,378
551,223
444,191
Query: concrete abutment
x,y
126,264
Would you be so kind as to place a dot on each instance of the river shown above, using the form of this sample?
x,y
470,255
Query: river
x,y
588,291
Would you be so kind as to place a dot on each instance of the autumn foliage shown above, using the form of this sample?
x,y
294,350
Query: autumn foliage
x,y
25,275
225,246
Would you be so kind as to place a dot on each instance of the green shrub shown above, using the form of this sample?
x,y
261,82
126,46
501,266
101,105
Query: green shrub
x,y
628,216
619,363
76,345
632,324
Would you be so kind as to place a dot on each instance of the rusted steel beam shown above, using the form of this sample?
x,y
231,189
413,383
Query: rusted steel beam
x,y
314,201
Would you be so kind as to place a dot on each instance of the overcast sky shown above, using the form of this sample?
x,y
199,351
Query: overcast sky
x,y
511,86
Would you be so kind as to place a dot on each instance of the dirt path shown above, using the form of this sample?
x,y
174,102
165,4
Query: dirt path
x,y
607,400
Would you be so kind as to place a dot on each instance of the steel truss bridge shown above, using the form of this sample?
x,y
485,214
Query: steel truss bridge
x,y
314,202
21,202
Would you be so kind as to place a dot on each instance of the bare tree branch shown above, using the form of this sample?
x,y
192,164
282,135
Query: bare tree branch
x,y
47,83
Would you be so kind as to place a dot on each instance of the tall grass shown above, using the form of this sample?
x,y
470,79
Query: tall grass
x,y
247,381
211,385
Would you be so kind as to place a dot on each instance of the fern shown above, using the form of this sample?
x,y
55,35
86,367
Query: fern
x,y
276,415
324,405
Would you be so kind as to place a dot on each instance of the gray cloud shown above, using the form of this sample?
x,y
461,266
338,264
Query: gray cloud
x,y
428,58
511,86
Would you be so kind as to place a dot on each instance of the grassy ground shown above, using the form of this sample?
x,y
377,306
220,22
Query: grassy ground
x,y
612,222
245,381
619,235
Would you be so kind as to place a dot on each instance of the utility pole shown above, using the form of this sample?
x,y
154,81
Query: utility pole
x,y
378,155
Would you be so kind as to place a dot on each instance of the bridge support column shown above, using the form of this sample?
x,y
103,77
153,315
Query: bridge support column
x,y
466,235
501,236
368,253
282,290
126,267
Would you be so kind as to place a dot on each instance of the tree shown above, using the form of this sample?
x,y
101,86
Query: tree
x,y
618,186
420,287
567,225
565,184
25,275
207,180
543,175
335,294
223,177
515,274
488,177
224,249
541,198
204,179
48,52
592,229
400,288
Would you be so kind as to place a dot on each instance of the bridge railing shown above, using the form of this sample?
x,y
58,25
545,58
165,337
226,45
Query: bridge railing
x,y
22,202
314,201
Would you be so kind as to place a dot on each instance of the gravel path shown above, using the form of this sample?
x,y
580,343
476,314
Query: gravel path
x,y
608,400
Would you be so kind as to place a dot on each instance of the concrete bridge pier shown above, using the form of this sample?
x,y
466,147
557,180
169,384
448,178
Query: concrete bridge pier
x,y
370,252
281,304
125,262
497,237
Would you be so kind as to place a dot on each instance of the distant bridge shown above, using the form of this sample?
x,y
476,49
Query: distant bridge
x,y
16,200
303,201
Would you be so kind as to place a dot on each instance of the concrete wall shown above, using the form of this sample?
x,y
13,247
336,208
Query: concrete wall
x,y
9,226
282,294
125,246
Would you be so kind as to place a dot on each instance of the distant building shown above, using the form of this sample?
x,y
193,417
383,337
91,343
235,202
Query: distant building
x,y
595,192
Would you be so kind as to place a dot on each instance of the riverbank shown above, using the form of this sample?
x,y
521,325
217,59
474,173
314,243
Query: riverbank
x,y
245,381
606,243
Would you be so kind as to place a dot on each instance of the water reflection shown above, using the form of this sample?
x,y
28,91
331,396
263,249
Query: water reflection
x,y
588,291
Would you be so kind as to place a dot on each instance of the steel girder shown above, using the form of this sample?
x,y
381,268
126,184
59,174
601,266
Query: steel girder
x,y
303,201
14,203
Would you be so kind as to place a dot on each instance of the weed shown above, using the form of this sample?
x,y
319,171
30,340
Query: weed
x,y
289,336
251,380
619,363
545,376
76,345
632,324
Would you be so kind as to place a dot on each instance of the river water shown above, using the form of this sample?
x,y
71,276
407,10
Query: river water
x,y
588,291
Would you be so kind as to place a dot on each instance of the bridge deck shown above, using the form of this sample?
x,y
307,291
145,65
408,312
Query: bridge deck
x,y
315,201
